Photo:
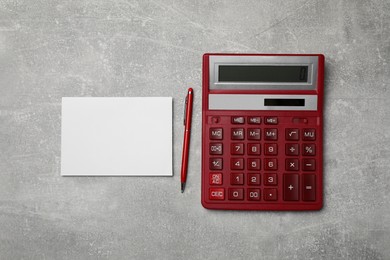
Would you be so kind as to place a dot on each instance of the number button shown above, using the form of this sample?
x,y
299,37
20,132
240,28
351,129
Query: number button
x,y
215,164
216,133
236,194
292,164
238,120
237,148
254,120
271,149
271,120
271,134
237,163
237,179
215,148
292,149
254,134
217,194
292,134
254,164
270,194
238,134
309,134
290,187
216,178
270,179
270,164
254,149
254,179
308,165
308,149
253,194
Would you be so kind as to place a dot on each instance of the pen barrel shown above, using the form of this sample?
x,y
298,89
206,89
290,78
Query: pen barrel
x,y
187,135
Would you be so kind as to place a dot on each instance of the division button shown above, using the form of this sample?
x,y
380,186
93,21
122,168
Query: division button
x,y
292,149
308,187
290,187
217,194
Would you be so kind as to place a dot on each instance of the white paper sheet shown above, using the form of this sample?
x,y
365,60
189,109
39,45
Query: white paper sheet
x,y
116,136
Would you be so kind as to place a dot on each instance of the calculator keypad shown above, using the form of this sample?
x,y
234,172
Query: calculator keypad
x,y
254,159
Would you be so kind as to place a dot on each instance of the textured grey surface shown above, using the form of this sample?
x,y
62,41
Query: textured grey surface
x,y
51,49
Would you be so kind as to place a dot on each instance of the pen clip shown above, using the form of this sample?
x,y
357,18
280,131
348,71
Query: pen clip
x,y
185,111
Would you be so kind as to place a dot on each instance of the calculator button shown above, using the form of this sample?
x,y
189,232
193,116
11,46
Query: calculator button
x,y
214,119
236,163
290,187
215,163
254,149
308,165
270,179
292,164
254,179
216,178
309,134
216,134
254,134
237,179
236,194
254,120
217,194
254,164
271,120
270,164
270,194
300,120
215,148
237,148
292,134
308,187
292,149
253,194
271,134
237,134
271,149
238,120
309,149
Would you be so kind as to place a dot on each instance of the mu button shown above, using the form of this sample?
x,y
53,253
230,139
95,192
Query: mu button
x,y
290,187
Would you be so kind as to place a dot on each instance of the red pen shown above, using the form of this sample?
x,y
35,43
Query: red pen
x,y
187,135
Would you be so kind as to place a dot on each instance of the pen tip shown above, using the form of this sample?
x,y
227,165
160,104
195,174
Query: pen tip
x,y
183,185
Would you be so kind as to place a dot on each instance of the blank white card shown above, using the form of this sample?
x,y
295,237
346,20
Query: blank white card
x,y
116,136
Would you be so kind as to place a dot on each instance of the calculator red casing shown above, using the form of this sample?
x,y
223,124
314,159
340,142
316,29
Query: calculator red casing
x,y
286,120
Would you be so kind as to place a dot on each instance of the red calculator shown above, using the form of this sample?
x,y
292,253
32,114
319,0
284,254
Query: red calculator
x,y
262,117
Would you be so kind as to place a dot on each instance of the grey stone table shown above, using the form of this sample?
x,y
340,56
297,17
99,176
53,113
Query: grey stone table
x,y
51,49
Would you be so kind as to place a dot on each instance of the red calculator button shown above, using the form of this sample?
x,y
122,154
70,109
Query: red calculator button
x,y
216,133
308,187
217,194
254,134
270,194
216,148
309,134
216,178
253,194
270,179
214,119
237,163
254,149
236,194
292,164
271,149
271,134
292,149
292,134
216,163
237,134
271,120
309,149
290,187
237,148
254,164
237,179
254,120
254,179
238,120
308,165
270,164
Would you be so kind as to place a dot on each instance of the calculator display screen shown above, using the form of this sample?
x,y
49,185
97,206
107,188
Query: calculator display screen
x,y
257,73
284,102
